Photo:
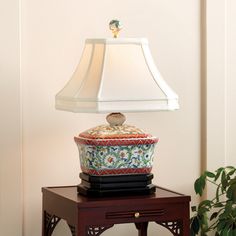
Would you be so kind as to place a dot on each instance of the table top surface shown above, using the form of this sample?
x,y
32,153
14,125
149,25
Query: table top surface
x,y
69,193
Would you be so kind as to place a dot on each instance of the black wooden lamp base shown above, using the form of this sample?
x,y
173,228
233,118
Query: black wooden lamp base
x,y
113,185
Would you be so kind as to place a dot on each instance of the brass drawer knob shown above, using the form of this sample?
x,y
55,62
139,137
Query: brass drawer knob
x,y
136,214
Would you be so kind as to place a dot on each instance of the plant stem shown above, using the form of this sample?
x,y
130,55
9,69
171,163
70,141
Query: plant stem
x,y
213,182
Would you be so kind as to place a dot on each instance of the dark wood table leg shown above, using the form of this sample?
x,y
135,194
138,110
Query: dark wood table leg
x,y
186,227
142,228
43,224
97,230
72,230
49,223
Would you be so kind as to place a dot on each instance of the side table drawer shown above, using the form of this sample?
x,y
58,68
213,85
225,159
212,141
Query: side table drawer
x,y
135,214
128,214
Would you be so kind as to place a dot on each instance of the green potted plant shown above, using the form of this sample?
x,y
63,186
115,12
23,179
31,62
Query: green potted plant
x,y
218,214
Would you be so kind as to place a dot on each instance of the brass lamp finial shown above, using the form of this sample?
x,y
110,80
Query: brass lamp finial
x,y
115,26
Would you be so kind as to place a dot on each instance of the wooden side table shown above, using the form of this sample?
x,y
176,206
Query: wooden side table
x,y
92,216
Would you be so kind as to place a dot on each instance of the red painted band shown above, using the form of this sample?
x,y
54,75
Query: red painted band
x,y
124,171
115,142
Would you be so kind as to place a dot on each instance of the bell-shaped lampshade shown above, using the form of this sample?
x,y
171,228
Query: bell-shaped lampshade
x,y
116,75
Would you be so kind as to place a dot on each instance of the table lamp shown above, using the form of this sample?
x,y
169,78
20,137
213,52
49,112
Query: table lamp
x,y
116,75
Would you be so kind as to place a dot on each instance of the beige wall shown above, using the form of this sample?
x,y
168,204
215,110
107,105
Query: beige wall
x,y
10,121
221,85
52,38
231,83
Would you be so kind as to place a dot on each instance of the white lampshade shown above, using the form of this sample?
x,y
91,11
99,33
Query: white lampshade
x,y
116,75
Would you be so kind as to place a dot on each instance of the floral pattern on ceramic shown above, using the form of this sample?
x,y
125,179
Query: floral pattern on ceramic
x,y
121,149
102,160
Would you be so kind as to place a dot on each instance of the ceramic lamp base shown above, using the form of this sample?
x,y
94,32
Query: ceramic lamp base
x,y
116,149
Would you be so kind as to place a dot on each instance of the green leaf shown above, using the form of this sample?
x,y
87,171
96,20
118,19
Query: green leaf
x,y
228,207
202,210
203,234
226,215
205,203
225,231
203,181
231,192
192,233
234,214
203,221
195,225
217,193
224,182
210,174
218,204
222,214
213,215
230,167
221,225
199,185
232,172
194,208
232,181
234,231
218,172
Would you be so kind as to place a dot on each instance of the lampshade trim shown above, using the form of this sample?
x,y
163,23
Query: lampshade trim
x,y
104,107
113,100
